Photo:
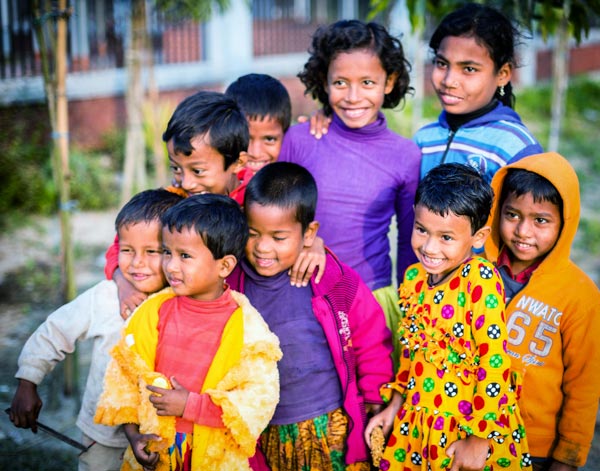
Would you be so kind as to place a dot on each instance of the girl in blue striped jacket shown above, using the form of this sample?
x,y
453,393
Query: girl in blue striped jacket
x,y
474,49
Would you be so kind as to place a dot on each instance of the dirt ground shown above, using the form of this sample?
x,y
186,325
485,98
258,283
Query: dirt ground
x,y
92,233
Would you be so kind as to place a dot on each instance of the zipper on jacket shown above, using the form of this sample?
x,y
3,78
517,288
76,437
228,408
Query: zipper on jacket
x,y
450,138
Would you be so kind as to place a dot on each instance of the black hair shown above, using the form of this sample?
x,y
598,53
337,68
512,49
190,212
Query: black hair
x,y
520,182
146,206
489,28
458,189
213,115
350,35
284,185
217,219
261,96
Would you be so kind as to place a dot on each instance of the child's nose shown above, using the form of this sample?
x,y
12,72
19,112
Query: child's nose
x,y
450,79
254,148
353,93
188,182
523,228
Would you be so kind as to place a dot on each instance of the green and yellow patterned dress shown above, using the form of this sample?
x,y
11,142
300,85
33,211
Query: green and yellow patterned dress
x,y
454,372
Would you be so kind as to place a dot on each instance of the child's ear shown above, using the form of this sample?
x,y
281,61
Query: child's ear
x,y
389,82
481,236
504,74
240,162
310,233
228,263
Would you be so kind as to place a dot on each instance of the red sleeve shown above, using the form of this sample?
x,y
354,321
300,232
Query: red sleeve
x,y
112,259
201,410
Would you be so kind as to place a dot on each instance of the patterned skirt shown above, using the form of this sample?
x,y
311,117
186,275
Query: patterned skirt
x,y
312,445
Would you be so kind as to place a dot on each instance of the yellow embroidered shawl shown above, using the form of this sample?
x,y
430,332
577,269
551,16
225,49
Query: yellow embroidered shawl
x,y
243,380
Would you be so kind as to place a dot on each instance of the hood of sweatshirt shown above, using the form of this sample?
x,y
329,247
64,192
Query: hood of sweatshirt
x,y
561,174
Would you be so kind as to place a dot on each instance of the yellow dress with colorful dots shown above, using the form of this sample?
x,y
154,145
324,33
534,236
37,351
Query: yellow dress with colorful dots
x,y
454,372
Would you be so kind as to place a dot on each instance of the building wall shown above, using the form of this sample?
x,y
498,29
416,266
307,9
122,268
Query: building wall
x,y
96,98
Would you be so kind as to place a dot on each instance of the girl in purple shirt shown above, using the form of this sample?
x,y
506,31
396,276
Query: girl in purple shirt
x,y
366,174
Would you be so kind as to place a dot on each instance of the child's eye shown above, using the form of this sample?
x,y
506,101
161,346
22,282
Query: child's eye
x,y
470,70
166,252
368,82
270,139
420,230
124,250
440,64
338,83
175,169
541,220
511,215
198,171
185,256
447,238
279,239
155,251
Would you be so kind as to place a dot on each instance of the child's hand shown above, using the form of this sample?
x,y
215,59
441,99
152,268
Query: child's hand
x,y
169,402
385,418
26,406
139,443
319,123
469,454
129,297
310,259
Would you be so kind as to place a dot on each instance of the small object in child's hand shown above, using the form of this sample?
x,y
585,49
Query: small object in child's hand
x,y
160,382
377,445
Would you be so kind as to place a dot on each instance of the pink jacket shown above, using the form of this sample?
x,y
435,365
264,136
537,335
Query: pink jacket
x,y
359,339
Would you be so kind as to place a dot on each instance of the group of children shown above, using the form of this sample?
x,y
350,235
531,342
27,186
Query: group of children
x,y
264,330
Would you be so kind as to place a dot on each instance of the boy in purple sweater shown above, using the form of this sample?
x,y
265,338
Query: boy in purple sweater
x,y
336,347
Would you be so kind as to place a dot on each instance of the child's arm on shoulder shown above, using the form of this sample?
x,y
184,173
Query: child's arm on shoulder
x,y
319,123
129,297
310,259
148,459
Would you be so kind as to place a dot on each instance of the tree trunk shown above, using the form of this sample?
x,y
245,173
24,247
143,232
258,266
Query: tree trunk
x,y
560,81
54,69
134,172
155,123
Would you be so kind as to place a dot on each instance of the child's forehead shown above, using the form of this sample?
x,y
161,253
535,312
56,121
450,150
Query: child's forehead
x,y
445,218
264,120
150,227
271,213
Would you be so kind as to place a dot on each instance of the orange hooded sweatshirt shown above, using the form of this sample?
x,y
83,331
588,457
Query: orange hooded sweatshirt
x,y
554,329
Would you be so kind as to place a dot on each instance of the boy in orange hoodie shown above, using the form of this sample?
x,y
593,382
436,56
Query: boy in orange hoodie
x,y
551,307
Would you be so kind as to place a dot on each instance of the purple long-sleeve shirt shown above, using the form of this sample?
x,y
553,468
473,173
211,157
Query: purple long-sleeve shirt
x,y
364,176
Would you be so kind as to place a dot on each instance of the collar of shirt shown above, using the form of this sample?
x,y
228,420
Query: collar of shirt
x,y
504,261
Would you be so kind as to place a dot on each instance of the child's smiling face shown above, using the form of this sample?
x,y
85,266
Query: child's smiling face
x,y
266,137
356,85
464,75
275,239
190,266
442,243
529,229
140,255
203,171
